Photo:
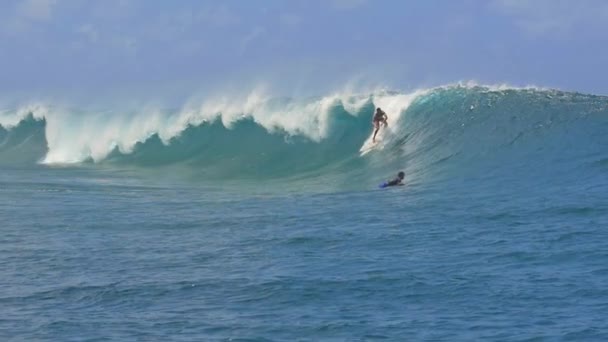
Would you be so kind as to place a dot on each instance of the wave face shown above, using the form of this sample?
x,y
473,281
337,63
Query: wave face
x,y
441,133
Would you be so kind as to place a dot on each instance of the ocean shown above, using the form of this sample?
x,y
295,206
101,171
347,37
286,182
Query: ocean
x,y
259,218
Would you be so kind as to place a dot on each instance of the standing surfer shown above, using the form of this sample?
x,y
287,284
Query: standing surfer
x,y
379,117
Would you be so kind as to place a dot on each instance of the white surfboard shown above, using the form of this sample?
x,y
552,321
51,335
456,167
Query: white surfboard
x,y
369,145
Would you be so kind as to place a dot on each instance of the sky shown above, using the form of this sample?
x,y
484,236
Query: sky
x,y
175,48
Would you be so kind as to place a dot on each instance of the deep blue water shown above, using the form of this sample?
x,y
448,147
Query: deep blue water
x,y
501,232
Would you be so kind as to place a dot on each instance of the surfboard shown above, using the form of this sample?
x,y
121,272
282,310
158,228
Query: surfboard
x,y
369,145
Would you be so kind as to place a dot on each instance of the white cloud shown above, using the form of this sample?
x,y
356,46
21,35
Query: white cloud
x,y
289,19
347,4
221,16
172,25
252,36
25,15
90,32
37,10
542,17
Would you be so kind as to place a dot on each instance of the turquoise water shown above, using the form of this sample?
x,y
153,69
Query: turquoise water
x,y
274,229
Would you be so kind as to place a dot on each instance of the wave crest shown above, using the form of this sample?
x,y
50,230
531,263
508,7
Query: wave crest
x,y
430,131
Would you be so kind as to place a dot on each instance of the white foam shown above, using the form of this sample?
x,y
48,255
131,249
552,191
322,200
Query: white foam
x,y
73,137
11,118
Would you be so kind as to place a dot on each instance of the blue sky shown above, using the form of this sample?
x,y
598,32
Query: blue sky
x,y
153,47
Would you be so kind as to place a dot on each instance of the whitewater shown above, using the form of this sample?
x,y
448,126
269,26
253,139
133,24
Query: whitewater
x,y
259,218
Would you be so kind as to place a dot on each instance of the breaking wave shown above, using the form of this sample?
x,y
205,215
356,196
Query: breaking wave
x,y
440,132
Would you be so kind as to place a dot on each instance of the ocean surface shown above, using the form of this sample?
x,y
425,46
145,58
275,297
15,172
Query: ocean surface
x,y
260,219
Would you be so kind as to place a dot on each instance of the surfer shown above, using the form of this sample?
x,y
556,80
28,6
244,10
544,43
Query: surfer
x,y
379,117
396,181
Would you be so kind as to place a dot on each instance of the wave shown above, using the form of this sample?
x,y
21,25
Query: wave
x,y
433,132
